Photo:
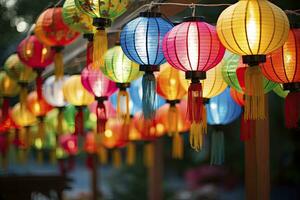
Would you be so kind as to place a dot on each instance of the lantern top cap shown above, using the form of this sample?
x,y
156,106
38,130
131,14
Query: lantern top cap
x,y
150,14
194,19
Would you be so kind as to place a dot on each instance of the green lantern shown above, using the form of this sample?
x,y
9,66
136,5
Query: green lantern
x,y
51,121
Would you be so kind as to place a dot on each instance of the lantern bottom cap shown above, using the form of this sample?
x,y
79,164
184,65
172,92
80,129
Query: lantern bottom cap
x,y
123,86
195,75
253,60
101,22
293,87
149,68
173,102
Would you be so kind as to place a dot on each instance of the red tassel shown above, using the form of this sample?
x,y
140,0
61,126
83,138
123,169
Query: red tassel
x,y
292,110
194,102
246,129
101,117
39,83
5,108
89,53
79,121
62,167
90,161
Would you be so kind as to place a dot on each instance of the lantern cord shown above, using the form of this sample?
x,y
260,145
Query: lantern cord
x,y
60,117
79,121
254,94
99,48
102,154
23,96
123,94
5,108
89,53
292,110
58,65
246,129
186,5
149,155
172,120
177,146
217,148
131,154
149,95
101,116
39,83
117,158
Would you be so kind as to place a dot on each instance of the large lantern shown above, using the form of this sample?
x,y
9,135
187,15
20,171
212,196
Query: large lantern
x,y
221,110
283,66
21,73
253,29
141,41
8,88
51,30
182,49
97,84
118,68
102,12
76,94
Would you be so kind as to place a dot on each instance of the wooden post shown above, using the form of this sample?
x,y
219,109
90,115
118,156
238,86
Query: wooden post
x,y
257,166
155,191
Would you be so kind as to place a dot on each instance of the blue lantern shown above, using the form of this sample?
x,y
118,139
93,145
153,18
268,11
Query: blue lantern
x,y
221,110
141,41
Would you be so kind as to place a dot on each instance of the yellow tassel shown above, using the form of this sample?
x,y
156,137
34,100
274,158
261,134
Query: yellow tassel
x,y
177,147
53,156
23,96
172,120
124,114
39,157
41,129
117,159
59,65
99,49
21,156
60,117
131,154
204,120
149,155
254,94
102,155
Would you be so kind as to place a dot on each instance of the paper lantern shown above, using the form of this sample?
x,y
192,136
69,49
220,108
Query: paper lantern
x,y
8,88
182,49
51,30
51,123
237,97
253,29
182,126
97,84
69,143
118,68
141,41
102,12
221,110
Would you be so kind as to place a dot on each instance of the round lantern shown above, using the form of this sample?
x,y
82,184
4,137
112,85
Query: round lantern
x,y
182,49
282,66
253,29
77,95
141,41
97,84
169,86
221,110
118,68
181,123
8,88
51,30
238,97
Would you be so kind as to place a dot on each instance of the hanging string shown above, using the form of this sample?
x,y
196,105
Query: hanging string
x,y
101,114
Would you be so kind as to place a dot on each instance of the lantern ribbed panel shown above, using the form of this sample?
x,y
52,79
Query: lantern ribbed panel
x,y
118,68
37,106
53,91
75,93
141,40
75,19
34,53
96,83
193,46
283,65
237,97
102,9
22,116
222,109
8,87
51,30
252,27
170,83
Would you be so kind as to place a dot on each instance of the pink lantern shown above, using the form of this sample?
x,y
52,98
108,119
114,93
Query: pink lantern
x,y
194,47
97,84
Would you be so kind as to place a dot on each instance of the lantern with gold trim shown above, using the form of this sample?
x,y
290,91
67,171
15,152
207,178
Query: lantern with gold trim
x,y
252,29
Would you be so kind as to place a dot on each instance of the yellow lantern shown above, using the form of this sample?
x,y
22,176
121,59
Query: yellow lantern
x,y
253,28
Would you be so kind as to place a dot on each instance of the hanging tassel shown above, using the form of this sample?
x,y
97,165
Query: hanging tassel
x,y
292,110
217,148
102,155
23,95
131,154
39,157
58,63
90,161
149,95
71,163
21,156
41,129
194,102
53,156
177,146
117,158
4,161
123,96
101,116
62,166
149,155
99,48
39,83
246,129
89,49
172,120
79,122
254,94
5,108
60,117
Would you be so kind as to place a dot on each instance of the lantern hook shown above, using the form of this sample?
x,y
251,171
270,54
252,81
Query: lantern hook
x,y
193,9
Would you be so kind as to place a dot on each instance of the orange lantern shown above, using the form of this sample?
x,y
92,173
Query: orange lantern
x,y
51,30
